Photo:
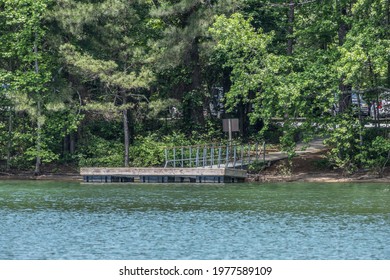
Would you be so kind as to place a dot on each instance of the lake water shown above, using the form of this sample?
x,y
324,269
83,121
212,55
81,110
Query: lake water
x,y
68,220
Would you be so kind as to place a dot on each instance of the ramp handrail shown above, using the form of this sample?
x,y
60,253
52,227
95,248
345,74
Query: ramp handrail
x,y
214,155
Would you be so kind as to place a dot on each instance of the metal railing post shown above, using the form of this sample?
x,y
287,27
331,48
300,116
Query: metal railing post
x,y
190,156
212,156
174,157
227,157
242,155
166,157
219,155
182,157
249,153
204,155
234,156
197,156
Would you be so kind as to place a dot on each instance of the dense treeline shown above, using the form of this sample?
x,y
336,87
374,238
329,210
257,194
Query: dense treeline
x,y
110,82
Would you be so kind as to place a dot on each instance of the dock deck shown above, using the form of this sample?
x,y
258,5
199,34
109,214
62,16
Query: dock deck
x,y
198,164
162,175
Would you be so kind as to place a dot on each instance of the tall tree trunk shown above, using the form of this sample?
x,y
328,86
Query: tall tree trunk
x,y
72,143
290,28
37,170
126,132
65,148
345,89
388,37
9,142
195,112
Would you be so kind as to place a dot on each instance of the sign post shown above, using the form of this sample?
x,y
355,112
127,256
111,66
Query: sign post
x,y
230,126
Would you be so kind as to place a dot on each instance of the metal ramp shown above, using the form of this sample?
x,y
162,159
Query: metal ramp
x,y
214,155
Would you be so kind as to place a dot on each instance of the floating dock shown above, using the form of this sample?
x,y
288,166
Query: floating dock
x,y
162,175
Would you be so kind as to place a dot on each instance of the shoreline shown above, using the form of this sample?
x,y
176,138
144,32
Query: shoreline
x,y
320,178
252,178
54,177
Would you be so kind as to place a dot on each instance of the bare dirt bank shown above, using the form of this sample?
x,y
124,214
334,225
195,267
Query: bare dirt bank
x,y
313,168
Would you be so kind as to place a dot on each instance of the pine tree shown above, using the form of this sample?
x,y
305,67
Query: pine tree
x,y
108,45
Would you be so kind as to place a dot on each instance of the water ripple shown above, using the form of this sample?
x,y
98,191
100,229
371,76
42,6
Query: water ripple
x,y
54,220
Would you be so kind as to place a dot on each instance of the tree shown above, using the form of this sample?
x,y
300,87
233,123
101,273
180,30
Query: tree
x,y
108,45
26,64
183,66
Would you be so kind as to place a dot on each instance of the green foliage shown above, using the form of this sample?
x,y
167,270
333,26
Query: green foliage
x,y
44,153
245,51
376,154
100,152
147,151
345,145
350,153
88,69
256,167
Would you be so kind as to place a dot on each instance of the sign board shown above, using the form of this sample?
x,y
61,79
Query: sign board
x,y
230,125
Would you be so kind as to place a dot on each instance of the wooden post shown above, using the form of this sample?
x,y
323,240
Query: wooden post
x,y
257,152
264,152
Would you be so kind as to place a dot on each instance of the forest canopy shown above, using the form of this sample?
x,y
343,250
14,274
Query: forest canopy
x,y
112,82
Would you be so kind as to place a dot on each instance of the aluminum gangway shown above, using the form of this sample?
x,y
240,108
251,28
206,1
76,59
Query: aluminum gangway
x,y
214,155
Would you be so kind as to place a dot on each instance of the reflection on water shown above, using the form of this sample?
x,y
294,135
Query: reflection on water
x,y
62,220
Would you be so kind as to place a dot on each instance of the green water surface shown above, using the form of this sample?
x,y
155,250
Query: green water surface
x,y
69,220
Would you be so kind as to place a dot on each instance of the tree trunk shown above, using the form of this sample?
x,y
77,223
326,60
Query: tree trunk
x,y
65,148
126,132
9,144
37,170
72,143
388,35
345,99
196,111
290,28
